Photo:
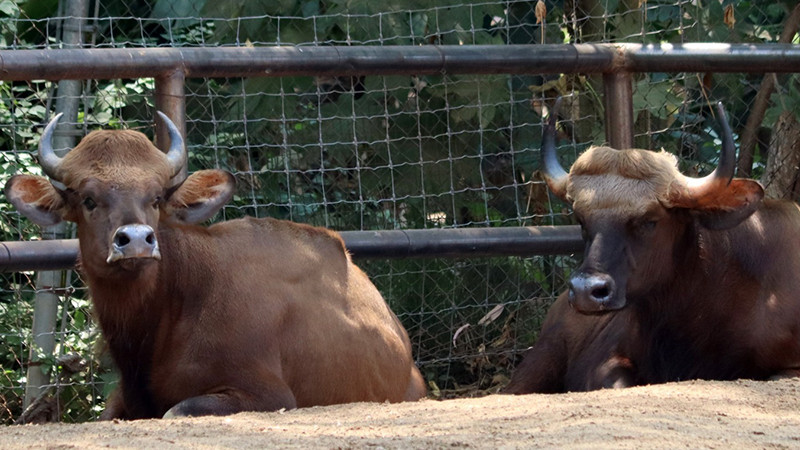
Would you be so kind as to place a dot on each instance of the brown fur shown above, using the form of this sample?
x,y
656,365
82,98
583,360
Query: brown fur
x,y
250,314
46,199
705,288
134,157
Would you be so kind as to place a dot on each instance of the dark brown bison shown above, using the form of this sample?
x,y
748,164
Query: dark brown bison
x,y
244,315
682,277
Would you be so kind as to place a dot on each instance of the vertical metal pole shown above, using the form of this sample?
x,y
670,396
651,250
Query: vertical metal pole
x,y
171,100
48,283
618,97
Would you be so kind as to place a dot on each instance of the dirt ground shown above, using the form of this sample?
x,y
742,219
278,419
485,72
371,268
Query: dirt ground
x,y
696,414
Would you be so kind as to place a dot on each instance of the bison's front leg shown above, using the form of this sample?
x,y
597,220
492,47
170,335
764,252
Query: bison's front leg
x,y
232,400
544,365
575,352
542,368
115,406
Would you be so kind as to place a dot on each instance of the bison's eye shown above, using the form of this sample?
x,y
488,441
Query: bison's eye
x,y
89,203
156,202
645,225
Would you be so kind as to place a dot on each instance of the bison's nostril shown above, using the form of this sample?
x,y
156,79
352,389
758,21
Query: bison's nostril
x,y
601,292
150,239
122,240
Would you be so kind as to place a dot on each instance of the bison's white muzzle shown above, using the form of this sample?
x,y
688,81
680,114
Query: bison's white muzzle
x,y
594,293
134,241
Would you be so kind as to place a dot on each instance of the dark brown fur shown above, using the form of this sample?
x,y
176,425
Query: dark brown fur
x,y
705,296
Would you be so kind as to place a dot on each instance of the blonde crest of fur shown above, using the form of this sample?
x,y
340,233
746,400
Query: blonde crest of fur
x,y
604,177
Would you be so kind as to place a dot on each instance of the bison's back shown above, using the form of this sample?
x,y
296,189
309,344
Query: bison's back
x,y
305,311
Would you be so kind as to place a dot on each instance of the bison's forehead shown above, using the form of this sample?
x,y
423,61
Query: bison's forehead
x,y
119,156
630,180
612,193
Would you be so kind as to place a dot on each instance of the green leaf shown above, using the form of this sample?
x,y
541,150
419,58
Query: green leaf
x,y
310,8
182,11
9,8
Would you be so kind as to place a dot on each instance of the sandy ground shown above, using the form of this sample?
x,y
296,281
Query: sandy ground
x,y
696,414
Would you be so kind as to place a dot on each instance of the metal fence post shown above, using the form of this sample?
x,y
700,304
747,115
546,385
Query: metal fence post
x,y
170,99
618,99
48,283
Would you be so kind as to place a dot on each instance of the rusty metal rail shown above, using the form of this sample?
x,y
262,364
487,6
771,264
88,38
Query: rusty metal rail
x,y
434,243
106,63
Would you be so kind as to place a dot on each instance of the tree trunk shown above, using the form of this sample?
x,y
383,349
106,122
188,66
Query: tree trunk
x,y
759,107
780,178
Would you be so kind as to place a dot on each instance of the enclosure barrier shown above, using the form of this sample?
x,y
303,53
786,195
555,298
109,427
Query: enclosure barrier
x,y
171,66
58,64
441,243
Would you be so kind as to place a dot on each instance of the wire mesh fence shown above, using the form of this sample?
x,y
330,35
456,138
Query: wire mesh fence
x,y
370,153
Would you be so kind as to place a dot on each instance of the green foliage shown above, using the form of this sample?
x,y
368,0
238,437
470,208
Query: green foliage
x,y
21,103
16,314
9,10
117,97
682,105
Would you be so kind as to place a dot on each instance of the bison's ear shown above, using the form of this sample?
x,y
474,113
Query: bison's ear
x,y
36,199
200,196
726,207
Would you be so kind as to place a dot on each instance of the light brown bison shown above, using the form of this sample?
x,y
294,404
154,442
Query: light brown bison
x,y
682,277
244,315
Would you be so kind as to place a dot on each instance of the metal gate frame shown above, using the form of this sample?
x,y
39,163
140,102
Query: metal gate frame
x,y
171,66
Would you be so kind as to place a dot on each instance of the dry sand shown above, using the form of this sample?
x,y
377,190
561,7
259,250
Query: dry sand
x,y
695,414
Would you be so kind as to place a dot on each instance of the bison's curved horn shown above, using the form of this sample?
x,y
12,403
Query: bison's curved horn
x,y
554,173
176,155
723,173
48,159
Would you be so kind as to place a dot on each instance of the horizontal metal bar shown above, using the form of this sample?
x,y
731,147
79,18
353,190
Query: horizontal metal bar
x,y
464,242
55,254
300,60
106,63
712,57
433,243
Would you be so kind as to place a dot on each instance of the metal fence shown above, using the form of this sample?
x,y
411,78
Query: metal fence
x,y
359,134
